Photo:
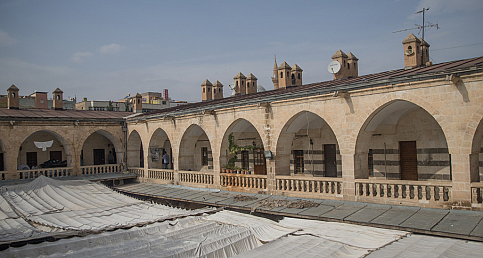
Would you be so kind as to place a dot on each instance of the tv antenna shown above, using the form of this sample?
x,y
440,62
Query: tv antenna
x,y
422,27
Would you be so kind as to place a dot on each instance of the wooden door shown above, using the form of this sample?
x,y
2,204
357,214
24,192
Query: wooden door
x,y
259,162
330,160
408,160
99,157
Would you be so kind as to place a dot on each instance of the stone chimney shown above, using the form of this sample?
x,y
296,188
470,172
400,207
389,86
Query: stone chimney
x,y
12,97
252,84
217,90
240,87
58,99
206,88
41,100
137,103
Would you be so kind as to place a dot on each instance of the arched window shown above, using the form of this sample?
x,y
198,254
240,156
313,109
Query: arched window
x,y
355,65
344,63
288,74
203,90
13,94
348,66
281,75
298,76
58,97
410,48
253,84
236,83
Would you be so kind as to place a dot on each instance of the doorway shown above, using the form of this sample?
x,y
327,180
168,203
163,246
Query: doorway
x,y
259,162
56,155
330,160
99,157
408,160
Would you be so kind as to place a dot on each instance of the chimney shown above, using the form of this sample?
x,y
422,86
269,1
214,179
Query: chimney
x,y
58,100
252,84
41,100
206,94
217,90
12,97
137,103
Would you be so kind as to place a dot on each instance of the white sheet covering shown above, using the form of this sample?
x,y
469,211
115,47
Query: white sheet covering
x,y
77,205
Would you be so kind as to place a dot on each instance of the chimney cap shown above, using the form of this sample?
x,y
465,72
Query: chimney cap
x,y
12,88
339,53
239,76
57,91
411,38
351,56
217,84
206,83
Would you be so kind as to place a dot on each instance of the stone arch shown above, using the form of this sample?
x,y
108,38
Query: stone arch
x,y
101,143
314,148
195,152
476,155
135,150
159,143
402,140
244,133
60,148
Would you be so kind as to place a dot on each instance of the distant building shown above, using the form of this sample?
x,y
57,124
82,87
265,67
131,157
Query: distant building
x,y
38,99
150,101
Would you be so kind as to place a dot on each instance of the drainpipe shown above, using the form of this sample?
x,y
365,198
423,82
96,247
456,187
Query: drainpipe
x,y
124,130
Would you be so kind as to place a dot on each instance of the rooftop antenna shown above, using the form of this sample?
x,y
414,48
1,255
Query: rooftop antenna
x,y
422,27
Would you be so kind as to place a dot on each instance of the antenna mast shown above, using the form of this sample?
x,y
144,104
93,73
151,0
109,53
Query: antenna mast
x,y
422,27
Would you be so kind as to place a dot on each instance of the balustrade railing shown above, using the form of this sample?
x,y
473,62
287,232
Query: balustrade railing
x,y
400,190
101,169
315,185
163,174
477,193
48,172
137,171
243,181
196,177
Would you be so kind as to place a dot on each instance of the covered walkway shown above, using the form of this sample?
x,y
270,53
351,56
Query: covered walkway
x,y
448,223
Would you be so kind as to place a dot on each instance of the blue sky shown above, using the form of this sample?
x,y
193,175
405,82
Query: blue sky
x,y
103,50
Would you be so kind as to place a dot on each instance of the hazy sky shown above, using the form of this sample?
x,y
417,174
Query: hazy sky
x,y
103,50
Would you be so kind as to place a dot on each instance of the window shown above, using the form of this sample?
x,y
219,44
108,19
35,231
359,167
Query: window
x,y
2,166
42,101
355,65
203,90
204,156
58,97
344,63
298,161
370,162
245,160
288,74
281,75
298,76
164,102
348,66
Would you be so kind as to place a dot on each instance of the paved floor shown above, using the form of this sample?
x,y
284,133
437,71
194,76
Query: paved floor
x,y
450,223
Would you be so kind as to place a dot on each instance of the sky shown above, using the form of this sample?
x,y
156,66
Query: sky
x,y
103,50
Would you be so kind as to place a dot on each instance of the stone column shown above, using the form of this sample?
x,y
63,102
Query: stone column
x,y
11,163
348,176
461,177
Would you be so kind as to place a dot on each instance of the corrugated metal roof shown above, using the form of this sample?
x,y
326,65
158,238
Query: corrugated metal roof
x,y
50,114
364,81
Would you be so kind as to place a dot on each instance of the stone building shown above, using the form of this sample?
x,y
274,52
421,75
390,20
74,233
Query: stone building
x,y
412,136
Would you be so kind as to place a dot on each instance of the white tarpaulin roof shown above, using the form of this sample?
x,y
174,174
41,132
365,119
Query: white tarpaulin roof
x,y
53,205
50,207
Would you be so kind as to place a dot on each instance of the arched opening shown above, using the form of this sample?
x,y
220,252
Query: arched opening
x,y
43,149
135,152
195,151
100,148
250,155
314,148
159,145
476,156
401,140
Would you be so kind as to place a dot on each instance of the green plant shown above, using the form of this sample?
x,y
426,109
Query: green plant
x,y
235,149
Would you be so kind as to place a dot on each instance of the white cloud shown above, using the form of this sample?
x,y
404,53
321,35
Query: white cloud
x,y
6,40
111,48
78,57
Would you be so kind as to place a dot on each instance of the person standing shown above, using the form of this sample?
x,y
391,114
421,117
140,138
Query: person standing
x,y
165,159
